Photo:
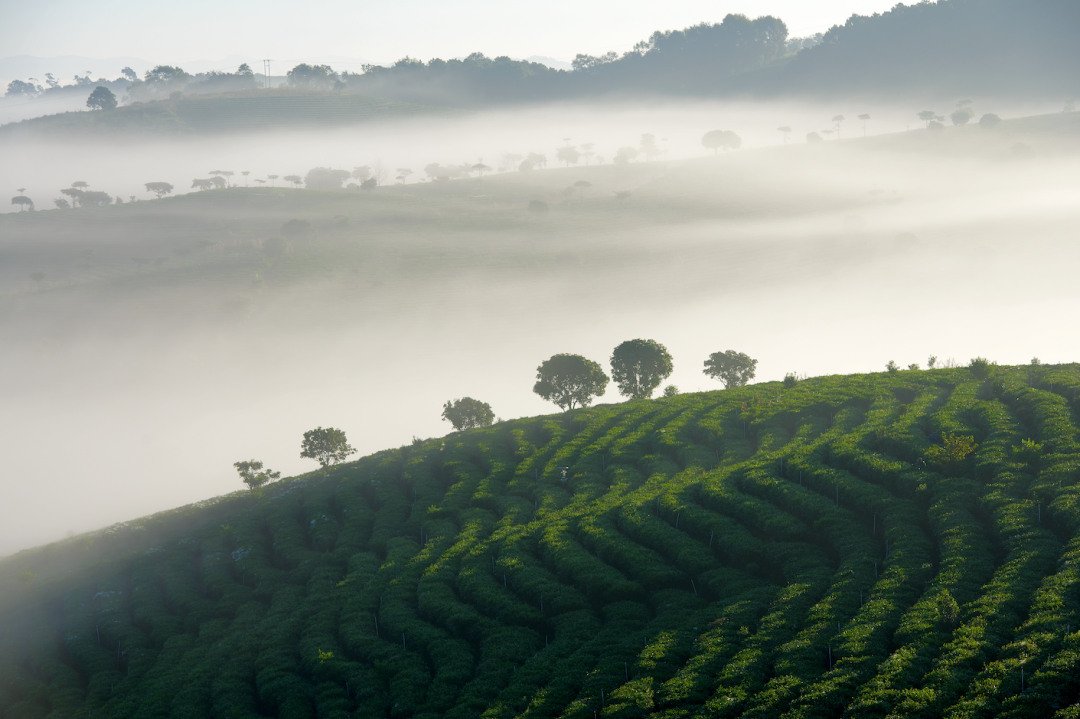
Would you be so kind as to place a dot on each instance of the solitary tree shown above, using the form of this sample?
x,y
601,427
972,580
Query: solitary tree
x,y
479,167
587,151
989,121
467,413
568,155
326,446
324,178
721,140
245,173
926,116
23,202
101,98
732,368
838,120
404,172
570,381
961,116
159,188
639,366
649,147
785,130
253,474
864,117
272,178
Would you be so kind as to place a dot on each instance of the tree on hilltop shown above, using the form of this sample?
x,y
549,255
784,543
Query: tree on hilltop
x,y
570,381
786,130
198,184
296,180
326,446
479,167
732,368
926,116
989,121
864,117
568,155
101,98
838,120
323,178
721,140
23,202
639,366
468,413
253,475
159,188
649,147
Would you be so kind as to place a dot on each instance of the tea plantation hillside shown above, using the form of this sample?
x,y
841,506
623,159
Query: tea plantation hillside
x,y
904,544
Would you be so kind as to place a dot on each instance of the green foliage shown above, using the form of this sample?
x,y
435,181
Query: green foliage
x,y
813,567
639,366
732,368
953,450
468,413
570,381
326,446
253,475
102,98
790,380
981,367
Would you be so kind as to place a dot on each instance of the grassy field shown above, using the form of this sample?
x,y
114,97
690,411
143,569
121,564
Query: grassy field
x,y
224,113
811,551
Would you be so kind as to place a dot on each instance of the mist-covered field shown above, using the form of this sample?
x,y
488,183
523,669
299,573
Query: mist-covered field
x,y
151,344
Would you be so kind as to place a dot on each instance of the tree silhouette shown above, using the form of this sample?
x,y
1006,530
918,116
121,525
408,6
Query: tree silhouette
x,y
721,140
570,381
404,172
226,174
296,180
326,446
23,202
272,179
253,475
587,151
567,155
479,167
989,121
159,188
245,173
864,117
732,368
101,98
926,116
838,120
202,184
468,413
639,366
649,147
786,130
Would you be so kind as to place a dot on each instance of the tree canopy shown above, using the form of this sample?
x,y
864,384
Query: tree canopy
x,y
732,368
159,188
721,140
468,413
326,446
253,475
639,366
570,381
323,178
102,98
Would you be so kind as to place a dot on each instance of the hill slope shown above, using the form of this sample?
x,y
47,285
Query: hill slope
x,y
761,551
228,112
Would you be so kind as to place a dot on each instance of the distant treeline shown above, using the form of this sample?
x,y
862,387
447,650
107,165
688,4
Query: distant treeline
x,y
952,48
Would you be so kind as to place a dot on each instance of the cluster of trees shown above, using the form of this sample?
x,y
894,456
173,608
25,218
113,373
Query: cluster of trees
x,y
638,367
327,446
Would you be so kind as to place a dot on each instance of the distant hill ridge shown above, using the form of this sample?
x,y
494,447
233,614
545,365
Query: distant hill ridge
x,y
898,544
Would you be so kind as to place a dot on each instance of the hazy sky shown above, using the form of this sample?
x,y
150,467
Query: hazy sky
x,y
378,31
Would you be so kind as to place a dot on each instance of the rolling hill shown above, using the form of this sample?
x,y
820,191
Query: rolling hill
x,y
282,108
832,548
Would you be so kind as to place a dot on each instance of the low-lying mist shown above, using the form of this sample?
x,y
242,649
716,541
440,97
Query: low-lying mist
x,y
134,387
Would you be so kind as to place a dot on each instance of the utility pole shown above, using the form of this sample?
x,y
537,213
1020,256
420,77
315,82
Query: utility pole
x,y
266,71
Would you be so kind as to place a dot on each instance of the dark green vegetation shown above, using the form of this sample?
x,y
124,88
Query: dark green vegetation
x,y
227,112
824,550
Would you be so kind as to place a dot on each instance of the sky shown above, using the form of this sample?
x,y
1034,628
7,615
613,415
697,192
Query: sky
x,y
376,31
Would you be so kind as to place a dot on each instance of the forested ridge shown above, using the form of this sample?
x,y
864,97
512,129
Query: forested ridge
x,y
898,544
